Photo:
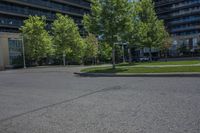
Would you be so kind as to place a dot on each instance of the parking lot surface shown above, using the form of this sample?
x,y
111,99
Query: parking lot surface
x,y
54,100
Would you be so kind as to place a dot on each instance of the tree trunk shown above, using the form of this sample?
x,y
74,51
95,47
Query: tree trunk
x,y
113,56
129,55
64,63
123,54
93,61
150,55
166,56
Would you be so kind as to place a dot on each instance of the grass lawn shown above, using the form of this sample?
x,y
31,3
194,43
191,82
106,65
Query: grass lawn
x,y
143,69
121,68
163,63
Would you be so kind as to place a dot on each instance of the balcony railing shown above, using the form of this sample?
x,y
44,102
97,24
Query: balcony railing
x,y
25,12
11,22
185,28
183,4
165,2
173,7
185,20
80,2
186,12
51,6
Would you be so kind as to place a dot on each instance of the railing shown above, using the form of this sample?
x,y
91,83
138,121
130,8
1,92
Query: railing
x,y
54,6
80,2
176,6
28,11
25,11
9,30
164,2
186,12
185,28
183,4
10,21
185,20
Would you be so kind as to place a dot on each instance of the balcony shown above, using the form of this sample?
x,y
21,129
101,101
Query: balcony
x,y
79,2
180,14
176,7
166,2
181,29
49,6
11,22
189,11
24,12
189,20
23,15
185,4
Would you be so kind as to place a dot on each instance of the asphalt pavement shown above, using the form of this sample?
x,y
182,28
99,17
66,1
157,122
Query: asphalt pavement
x,y
54,100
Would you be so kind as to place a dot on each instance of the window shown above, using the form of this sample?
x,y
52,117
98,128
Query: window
x,y
15,51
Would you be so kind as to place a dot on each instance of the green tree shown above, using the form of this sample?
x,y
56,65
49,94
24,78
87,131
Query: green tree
x,y
66,38
166,43
133,34
36,39
91,21
151,27
105,51
108,19
91,48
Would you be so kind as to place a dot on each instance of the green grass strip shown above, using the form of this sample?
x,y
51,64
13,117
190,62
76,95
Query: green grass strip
x,y
163,63
143,69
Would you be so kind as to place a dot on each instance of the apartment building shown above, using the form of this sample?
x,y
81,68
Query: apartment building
x,y
182,20
14,12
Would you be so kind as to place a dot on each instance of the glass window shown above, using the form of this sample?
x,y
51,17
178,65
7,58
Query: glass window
x,y
15,51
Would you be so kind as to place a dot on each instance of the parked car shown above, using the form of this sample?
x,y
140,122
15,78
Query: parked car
x,y
143,59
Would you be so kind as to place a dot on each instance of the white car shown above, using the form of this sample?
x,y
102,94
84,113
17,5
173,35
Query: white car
x,y
144,59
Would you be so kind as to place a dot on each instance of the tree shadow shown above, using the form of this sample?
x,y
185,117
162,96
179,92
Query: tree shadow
x,y
127,64
108,70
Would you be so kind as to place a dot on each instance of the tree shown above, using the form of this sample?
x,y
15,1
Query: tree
x,y
108,19
133,34
66,38
152,27
166,43
105,51
91,48
91,21
36,39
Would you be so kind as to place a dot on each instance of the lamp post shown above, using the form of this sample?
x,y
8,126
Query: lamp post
x,y
24,58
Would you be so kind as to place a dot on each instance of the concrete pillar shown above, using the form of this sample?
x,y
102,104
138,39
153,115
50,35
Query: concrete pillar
x,y
4,51
4,48
1,58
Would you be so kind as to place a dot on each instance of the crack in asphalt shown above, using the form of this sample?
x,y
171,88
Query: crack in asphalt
x,y
59,103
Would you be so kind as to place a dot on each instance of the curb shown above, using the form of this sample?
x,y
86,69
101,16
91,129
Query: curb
x,y
137,74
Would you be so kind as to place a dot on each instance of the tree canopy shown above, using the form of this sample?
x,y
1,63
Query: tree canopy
x,y
110,22
66,37
91,47
152,29
36,38
109,19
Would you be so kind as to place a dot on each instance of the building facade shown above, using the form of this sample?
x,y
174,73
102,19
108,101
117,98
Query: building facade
x,y
14,12
182,19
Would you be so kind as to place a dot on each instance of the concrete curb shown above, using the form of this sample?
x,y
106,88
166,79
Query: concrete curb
x,y
137,74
